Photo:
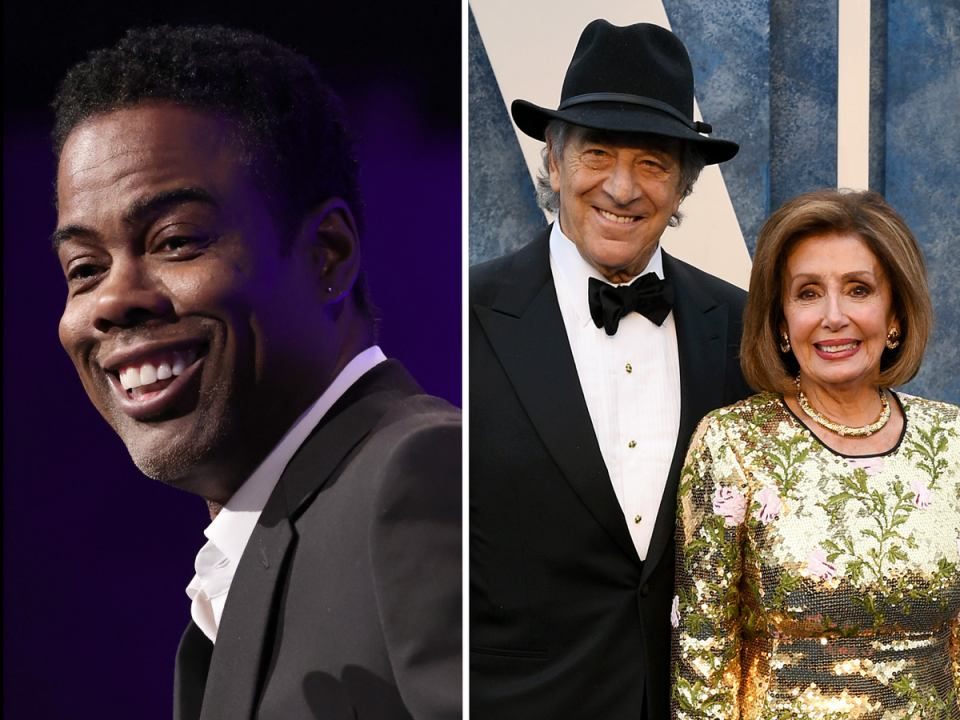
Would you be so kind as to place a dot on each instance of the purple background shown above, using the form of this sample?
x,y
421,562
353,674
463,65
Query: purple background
x,y
97,556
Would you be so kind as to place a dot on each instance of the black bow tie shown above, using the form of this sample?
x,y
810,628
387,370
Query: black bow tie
x,y
648,295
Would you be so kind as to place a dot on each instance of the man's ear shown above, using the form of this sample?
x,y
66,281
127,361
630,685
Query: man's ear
x,y
334,249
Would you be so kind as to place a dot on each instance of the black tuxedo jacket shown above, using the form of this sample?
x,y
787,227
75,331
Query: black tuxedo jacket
x,y
347,599
565,620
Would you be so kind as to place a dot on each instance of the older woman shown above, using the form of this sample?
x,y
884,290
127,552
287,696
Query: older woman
x,y
818,538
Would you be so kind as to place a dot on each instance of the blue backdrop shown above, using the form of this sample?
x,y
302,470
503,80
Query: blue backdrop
x,y
766,72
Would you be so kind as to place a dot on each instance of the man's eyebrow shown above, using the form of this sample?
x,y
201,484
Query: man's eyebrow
x,y
626,139
139,210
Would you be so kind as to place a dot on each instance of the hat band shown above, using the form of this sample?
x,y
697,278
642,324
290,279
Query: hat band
x,y
695,125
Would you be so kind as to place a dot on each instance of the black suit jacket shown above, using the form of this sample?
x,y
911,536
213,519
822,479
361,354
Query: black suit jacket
x,y
565,620
347,599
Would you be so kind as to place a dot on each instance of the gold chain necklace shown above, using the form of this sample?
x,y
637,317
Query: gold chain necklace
x,y
843,430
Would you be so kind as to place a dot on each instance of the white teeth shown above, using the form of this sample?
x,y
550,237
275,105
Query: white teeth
x,y
130,378
837,348
148,374
616,218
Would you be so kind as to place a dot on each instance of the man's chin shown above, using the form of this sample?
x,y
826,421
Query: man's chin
x,y
174,452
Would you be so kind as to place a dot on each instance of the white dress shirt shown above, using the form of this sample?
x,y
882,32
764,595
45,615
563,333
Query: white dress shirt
x,y
228,534
631,382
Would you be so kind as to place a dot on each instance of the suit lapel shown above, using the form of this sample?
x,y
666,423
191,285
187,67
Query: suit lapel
x,y
233,683
526,331
241,654
701,344
190,673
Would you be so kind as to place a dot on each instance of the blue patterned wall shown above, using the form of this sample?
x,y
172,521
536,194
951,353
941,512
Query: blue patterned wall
x,y
503,205
767,70
731,70
922,166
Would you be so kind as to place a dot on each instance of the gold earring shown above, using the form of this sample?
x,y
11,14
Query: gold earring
x,y
893,338
784,342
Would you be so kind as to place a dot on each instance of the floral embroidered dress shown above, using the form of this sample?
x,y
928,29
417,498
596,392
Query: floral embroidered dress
x,y
814,585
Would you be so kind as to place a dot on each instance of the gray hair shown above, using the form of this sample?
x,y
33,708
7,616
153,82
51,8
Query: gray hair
x,y
558,132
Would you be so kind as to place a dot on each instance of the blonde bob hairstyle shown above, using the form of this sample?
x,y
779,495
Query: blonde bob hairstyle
x,y
867,216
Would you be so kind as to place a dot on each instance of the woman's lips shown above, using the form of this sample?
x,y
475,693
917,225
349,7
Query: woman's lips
x,y
152,404
837,350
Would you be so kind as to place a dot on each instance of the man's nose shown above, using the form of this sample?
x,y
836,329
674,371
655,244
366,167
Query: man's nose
x,y
129,295
621,184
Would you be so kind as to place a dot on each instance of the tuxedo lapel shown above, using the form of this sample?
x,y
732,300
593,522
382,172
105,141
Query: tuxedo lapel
x,y
526,331
701,343
241,654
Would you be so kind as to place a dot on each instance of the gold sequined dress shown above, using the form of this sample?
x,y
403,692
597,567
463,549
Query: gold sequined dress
x,y
812,584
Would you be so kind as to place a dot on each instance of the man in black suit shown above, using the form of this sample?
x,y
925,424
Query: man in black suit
x,y
585,386
209,225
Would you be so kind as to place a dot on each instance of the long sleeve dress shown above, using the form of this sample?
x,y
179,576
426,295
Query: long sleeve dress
x,y
812,584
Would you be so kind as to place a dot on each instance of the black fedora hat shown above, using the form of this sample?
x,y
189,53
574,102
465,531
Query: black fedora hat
x,y
630,79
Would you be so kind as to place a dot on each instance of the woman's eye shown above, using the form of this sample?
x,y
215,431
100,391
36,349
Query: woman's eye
x,y
861,290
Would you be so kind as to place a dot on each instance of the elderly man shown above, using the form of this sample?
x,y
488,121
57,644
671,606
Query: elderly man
x,y
209,225
593,355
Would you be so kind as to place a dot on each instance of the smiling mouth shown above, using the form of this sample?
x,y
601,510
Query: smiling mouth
x,y
156,373
830,349
622,219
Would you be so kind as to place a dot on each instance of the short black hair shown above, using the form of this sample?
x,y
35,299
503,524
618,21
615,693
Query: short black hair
x,y
292,127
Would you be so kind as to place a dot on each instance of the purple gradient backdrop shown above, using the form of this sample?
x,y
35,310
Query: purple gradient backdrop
x,y
97,556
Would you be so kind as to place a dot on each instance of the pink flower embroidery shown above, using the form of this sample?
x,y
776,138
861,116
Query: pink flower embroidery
x,y
922,496
818,566
871,465
770,504
675,612
731,504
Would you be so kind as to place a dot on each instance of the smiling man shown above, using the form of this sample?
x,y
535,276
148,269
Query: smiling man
x,y
209,231
593,355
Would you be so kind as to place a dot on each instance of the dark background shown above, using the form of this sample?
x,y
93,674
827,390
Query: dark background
x,y
97,556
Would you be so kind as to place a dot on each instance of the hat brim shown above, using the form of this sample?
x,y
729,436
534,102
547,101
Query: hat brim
x,y
620,117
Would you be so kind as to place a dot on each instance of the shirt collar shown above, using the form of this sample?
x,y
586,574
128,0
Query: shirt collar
x,y
235,522
574,273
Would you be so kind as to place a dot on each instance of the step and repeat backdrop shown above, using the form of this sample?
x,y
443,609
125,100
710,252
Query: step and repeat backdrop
x,y
818,93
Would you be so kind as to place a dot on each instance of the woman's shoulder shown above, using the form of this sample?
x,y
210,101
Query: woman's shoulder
x,y
929,412
732,423
753,410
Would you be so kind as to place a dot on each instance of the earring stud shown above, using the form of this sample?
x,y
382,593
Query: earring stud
x,y
784,342
893,338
